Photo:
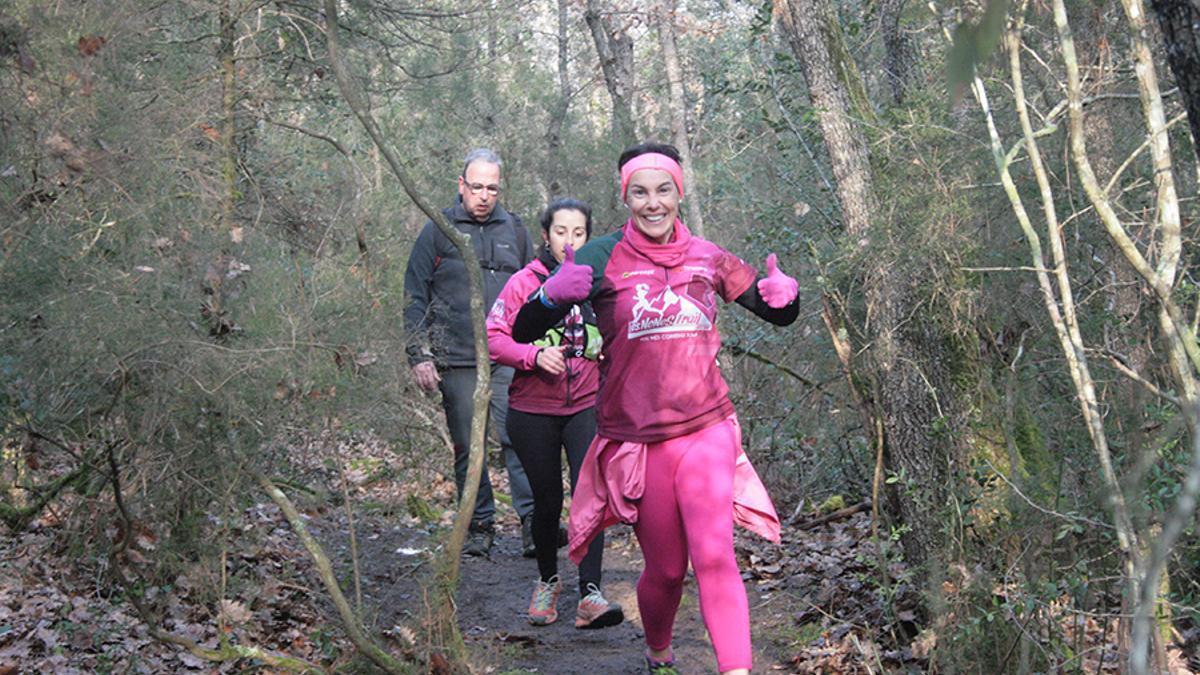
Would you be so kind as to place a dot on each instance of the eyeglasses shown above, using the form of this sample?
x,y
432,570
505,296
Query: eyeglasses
x,y
476,188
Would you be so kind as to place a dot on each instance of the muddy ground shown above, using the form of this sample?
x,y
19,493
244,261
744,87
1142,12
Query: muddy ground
x,y
494,594
494,597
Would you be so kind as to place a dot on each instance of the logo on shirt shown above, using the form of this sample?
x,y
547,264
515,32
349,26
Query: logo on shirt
x,y
497,311
665,313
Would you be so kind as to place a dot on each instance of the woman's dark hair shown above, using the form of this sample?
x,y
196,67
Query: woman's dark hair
x,y
567,204
643,148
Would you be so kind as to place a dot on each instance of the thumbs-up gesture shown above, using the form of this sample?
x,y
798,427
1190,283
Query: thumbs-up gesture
x,y
570,283
777,288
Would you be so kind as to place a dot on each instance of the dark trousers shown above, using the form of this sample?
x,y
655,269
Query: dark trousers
x,y
539,441
458,389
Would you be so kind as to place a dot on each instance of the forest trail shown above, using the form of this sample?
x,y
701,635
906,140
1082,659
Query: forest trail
x,y
494,596
813,604
809,610
494,593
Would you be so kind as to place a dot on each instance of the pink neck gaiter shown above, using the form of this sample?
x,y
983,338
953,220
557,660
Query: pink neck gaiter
x,y
670,254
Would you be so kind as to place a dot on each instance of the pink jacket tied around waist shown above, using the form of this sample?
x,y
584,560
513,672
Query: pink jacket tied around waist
x,y
613,478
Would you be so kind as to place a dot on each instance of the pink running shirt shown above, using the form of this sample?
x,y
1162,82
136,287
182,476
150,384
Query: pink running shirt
x,y
656,307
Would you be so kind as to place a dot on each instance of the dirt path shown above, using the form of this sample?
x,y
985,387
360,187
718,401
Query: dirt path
x,y
494,596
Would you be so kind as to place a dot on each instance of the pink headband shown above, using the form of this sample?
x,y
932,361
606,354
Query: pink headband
x,y
652,160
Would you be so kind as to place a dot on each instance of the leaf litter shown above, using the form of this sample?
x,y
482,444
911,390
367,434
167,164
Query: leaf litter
x,y
816,601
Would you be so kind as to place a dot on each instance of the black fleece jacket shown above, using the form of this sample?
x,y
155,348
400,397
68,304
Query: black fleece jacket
x,y
437,315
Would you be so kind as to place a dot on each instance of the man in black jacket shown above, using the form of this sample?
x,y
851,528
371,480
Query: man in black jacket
x,y
438,318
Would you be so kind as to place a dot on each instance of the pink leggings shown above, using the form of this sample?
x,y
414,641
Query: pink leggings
x,y
687,509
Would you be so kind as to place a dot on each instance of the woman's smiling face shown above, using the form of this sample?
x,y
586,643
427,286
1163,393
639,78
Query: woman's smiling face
x,y
653,200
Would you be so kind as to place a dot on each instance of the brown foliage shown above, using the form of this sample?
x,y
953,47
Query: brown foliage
x,y
88,45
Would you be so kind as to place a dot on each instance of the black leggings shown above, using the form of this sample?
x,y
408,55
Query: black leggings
x,y
538,440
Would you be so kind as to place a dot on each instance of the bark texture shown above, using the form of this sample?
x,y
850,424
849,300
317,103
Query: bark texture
x,y
1179,21
677,103
558,115
897,61
909,358
615,49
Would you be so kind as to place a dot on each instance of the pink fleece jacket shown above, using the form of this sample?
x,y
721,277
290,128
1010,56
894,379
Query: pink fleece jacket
x,y
613,478
533,390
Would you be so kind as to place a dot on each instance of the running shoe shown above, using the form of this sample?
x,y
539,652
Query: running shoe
x,y
479,540
661,667
596,612
543,607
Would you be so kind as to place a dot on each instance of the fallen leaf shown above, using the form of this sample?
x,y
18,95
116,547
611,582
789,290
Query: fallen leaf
x,y
59,145
88,45
27,63
923,646
438,664
236,267
145,538
234,612
47,636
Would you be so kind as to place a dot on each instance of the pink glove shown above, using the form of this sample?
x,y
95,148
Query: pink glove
x,y
571,283
778,289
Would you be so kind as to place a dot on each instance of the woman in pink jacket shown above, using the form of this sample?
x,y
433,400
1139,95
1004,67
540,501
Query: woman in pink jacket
x,y
667,455
551,403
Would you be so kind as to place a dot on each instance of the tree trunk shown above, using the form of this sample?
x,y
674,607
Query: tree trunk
x,y
214,308
1179,21
558,115
615,50
677,102
913,397
228,118
896,58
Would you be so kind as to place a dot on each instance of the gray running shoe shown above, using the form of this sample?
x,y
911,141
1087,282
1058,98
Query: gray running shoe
x,y
479,540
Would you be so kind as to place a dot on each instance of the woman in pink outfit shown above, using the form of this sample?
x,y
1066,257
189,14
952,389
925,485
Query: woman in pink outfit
x,y
551,408
667,455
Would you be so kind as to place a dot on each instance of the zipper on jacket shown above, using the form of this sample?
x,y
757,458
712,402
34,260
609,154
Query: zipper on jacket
x,y
570,400
569,335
